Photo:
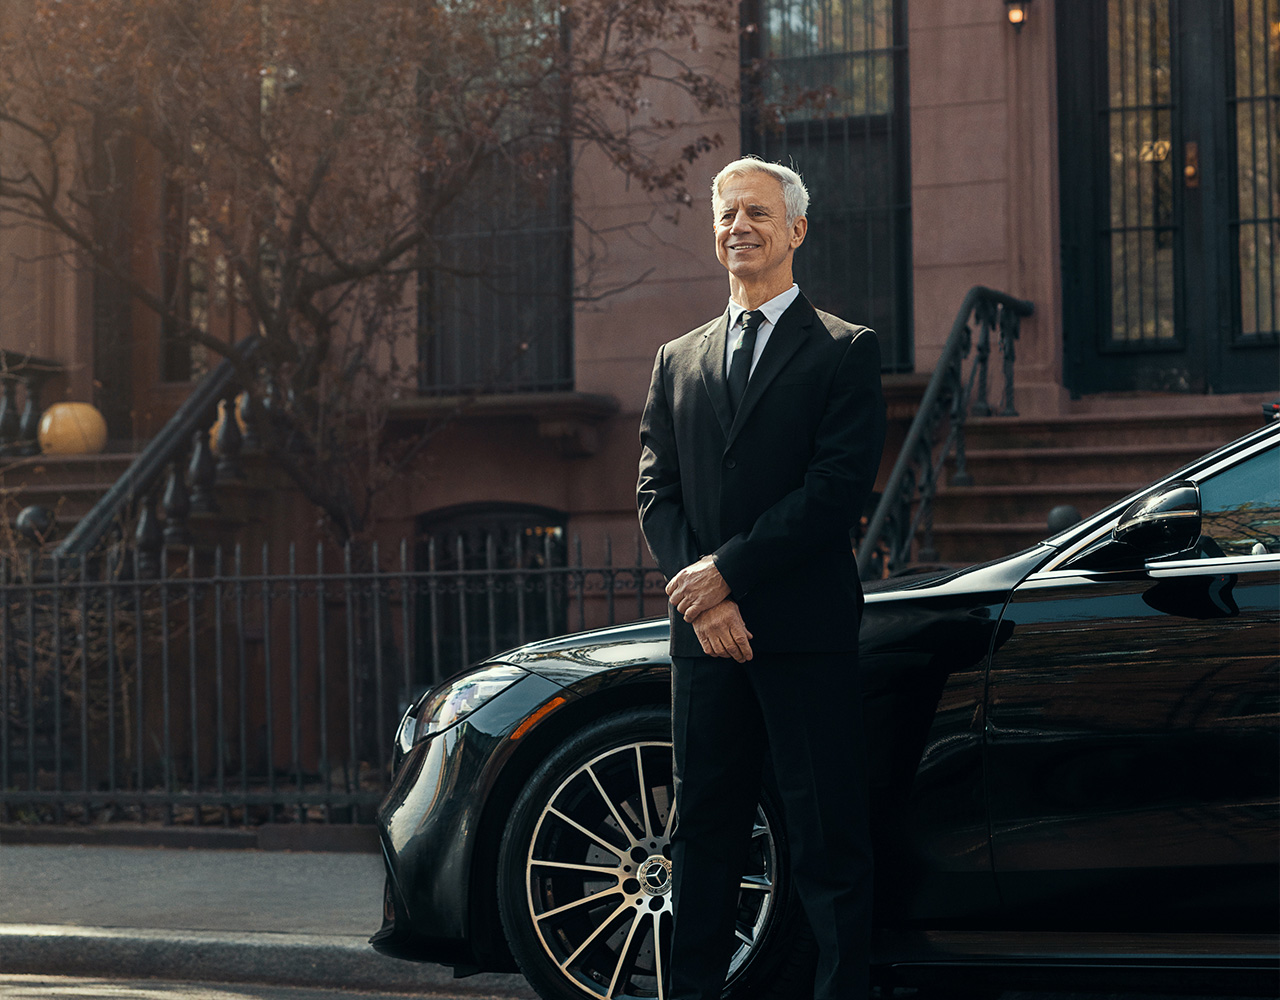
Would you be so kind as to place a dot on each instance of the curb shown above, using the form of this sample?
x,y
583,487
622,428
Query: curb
x,y
339,838
306,960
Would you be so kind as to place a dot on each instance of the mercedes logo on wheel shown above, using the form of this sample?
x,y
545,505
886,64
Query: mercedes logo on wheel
x,y
655,876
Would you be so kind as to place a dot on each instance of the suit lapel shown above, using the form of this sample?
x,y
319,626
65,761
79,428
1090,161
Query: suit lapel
x,y
712,363
790,332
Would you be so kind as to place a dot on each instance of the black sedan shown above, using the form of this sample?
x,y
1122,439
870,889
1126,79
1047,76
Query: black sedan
x,y
1076,770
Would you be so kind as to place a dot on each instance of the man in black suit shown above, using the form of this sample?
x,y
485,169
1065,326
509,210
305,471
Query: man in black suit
x,y
761,440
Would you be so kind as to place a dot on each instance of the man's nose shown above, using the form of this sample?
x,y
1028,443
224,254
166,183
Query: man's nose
x,y
740,222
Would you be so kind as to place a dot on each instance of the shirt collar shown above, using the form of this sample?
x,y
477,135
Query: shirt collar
x,y
773,309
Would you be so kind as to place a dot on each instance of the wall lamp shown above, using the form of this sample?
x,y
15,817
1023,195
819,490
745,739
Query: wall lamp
x,y
1017,12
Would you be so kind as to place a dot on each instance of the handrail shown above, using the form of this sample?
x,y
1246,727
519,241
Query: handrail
x,y
165,450
916,471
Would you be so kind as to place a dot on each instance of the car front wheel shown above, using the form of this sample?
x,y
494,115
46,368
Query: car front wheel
x,y
584,880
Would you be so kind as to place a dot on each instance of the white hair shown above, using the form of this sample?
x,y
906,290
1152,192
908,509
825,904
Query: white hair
x,y
794,193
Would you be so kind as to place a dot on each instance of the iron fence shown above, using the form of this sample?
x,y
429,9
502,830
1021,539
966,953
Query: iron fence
x,y
245,688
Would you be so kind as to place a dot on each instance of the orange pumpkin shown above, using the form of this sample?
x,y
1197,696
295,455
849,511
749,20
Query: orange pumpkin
x,y
72,429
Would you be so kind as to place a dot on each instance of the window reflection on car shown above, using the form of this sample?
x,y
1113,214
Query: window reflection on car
x,y
1240,508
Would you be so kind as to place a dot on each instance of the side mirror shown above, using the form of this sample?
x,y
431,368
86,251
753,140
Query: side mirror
x,y
1162,523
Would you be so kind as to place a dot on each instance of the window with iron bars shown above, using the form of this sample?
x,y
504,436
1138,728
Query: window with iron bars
x,y
825,92
495,307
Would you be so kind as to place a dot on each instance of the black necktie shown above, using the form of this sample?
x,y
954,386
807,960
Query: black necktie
x,y
740,365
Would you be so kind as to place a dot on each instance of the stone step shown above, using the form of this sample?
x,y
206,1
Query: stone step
x,y
207,528
69,501
1097,464
57,489
1078,430
962,543
1022,467
1025,503
49,470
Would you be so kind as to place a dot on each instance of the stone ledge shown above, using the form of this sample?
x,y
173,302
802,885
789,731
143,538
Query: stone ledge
x,y
903,392
571,420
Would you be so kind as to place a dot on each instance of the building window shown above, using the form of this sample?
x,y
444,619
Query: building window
x,y
185,288
496,297
825,83
496,282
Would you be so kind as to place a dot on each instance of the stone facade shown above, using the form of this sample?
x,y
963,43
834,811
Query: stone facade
x,y
984,208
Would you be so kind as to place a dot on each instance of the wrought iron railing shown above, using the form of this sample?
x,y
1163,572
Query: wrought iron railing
x,y
176,473
238,688
19,422
901,528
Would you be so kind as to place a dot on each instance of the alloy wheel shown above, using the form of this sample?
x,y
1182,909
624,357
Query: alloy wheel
x,y
598,875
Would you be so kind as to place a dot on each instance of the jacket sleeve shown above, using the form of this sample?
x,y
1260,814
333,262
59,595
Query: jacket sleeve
x,y
659,496
840,477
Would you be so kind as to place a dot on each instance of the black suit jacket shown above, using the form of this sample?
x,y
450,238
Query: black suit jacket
x,y
773,491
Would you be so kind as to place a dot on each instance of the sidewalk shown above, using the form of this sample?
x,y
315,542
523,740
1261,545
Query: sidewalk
x,y
301,919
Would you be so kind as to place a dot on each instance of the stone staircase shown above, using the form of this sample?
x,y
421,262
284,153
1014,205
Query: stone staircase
x,y
1024,467
68,485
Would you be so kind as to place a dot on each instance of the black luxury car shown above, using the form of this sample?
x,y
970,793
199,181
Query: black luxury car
x,y
1075,759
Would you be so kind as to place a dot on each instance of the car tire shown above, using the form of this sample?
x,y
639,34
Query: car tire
x,y
584,875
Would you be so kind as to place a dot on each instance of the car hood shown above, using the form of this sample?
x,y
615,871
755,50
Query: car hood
x,y
641,644
1004,573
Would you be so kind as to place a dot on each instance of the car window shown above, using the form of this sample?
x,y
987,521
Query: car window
x,y
1240,508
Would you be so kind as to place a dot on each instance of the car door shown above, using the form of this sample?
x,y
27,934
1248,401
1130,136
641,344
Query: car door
x,y
1132,728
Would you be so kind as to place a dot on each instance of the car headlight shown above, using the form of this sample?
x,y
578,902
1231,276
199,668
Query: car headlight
x,y
454,702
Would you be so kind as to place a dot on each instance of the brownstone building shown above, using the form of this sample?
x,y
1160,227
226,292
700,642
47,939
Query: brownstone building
x,y
1114,162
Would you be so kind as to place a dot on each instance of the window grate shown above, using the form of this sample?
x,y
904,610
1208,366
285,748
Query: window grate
x,y
829,79
1254,109
496,300
1139,121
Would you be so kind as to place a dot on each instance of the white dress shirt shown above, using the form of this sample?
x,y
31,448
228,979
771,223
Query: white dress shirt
x,y
773,310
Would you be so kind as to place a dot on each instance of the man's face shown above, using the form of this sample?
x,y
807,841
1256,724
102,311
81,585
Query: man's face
x,y
753,240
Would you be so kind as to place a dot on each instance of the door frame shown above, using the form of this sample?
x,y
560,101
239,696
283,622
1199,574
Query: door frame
x,y
1205,355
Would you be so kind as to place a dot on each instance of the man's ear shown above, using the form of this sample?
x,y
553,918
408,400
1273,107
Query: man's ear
x,y
798,231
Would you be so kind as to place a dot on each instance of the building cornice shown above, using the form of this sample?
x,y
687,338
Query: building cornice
x,y
570,420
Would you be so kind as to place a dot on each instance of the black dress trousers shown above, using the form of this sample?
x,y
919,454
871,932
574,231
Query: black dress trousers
x,y
803,713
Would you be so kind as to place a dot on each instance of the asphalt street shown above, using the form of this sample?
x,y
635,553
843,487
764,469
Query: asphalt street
x,y
55,987
191,890
299,919
122,923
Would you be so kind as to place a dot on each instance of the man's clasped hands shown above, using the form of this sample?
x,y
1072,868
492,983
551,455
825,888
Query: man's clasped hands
x,y
701,595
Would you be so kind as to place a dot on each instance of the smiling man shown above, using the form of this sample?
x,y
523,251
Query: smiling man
x,y
761,440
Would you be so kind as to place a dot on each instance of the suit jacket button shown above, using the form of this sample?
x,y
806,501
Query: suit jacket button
x,y
731,463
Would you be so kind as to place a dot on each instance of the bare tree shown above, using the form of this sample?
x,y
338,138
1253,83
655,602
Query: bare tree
x,y
315,156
